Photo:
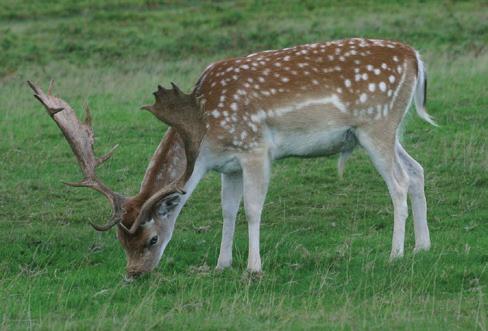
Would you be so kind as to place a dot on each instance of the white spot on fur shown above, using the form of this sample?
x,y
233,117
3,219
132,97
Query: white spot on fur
x,y
363,97
382,86
371,87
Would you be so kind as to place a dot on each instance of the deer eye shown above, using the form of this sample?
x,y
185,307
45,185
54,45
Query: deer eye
x,y
153,241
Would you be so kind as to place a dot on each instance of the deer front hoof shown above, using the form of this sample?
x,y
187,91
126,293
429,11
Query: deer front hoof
x,y
221,267
395,256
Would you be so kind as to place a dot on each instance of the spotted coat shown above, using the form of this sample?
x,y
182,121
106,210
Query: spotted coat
x,y
358,80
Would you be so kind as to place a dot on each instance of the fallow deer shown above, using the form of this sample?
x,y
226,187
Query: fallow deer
x,y
310,100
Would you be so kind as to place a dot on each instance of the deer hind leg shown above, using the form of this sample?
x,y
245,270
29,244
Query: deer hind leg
x,y
387,162
231,200
417,198
256,172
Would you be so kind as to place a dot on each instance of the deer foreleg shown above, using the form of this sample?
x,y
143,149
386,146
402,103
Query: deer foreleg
x,y
231,199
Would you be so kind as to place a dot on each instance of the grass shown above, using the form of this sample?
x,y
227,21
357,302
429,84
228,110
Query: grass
x,y
325,242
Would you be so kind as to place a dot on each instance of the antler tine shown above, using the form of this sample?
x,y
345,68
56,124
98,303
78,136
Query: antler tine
x,y
88,117
176,89
116,218
81,138
50,88
107,155
51,107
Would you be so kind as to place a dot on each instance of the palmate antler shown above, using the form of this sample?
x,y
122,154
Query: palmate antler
x,y
182,112
81,138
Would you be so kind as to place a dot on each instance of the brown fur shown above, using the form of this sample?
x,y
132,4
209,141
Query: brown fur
x,y
236,89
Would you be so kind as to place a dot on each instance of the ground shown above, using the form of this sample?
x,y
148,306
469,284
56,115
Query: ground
x,y
325,242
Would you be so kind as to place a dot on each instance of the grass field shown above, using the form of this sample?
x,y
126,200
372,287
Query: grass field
x,y
325,242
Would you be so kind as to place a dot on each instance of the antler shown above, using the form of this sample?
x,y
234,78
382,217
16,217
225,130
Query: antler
x,y
81,138
183,113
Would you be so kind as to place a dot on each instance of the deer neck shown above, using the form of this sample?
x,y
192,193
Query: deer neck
x,y
167,164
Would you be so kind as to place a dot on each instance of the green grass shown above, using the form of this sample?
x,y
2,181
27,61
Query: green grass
x,y
325,242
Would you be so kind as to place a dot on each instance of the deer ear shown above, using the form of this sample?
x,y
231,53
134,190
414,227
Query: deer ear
x,y
168,204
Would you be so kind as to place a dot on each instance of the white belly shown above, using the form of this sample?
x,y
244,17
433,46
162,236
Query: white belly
x,y
306,143
306,132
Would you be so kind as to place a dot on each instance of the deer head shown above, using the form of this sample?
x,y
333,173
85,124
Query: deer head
x,y
145,221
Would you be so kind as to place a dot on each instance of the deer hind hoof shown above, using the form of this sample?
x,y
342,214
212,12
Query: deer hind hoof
x,y
252,275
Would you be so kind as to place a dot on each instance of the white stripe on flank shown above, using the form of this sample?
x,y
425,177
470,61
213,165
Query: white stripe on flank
x,y
332,100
